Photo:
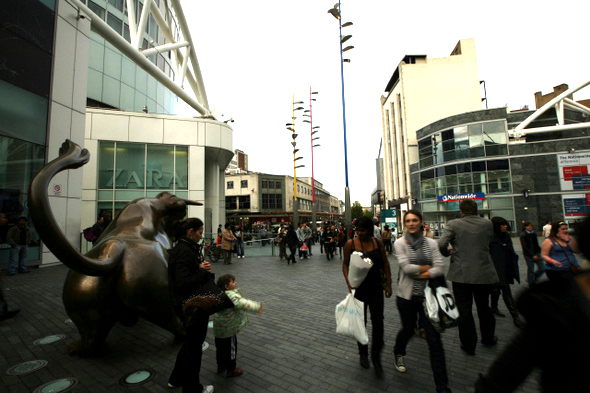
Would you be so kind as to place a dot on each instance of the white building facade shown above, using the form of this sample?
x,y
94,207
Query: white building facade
x,y
421,91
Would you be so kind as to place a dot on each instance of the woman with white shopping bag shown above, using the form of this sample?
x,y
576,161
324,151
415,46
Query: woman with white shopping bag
x,y
419,260
370,291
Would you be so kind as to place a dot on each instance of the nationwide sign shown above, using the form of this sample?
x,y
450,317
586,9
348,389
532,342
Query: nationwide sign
x,y
460,197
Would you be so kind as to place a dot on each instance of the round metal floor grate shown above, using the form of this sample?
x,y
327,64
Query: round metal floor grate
x,y
26,367
49,339
136,378
59,385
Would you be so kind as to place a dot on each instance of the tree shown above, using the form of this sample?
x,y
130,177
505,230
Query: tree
x,y
356,210
367,213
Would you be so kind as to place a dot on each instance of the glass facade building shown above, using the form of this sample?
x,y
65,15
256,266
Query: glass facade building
x,y
26,51
465,158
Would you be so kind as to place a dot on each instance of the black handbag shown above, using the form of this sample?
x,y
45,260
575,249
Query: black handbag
x,y
207,299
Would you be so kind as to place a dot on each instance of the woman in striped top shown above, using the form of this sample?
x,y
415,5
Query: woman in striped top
x,y
419,260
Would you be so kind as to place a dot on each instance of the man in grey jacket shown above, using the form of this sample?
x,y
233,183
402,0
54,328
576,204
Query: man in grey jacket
x,y
472,272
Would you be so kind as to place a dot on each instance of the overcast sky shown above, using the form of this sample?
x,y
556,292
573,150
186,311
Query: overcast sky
x,y
254,55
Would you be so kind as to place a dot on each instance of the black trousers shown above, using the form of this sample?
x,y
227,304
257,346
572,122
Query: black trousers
x,y
411,311
374,304
188,361
465,294
293,250
226,352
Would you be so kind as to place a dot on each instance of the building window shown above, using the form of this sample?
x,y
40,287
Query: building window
x,y
463,142
231,203
244,183
272,201
278,185
230,185
244,202
479,176
271,185
98,10
264,184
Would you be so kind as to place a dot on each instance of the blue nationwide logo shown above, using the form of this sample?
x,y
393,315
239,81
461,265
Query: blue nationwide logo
x,y
460,197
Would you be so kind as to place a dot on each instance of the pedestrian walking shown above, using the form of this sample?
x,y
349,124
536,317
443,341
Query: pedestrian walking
x,y
280,240
547,230
532,253
292,242
371,289
419,260
19,238
558,252
506,263
386,238
472,272
328,237
239,242
227,242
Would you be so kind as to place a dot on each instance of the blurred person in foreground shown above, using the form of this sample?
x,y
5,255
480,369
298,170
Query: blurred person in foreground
x,y
556,337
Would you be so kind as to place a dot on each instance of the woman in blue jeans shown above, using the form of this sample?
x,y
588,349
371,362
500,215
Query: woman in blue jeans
x,y
419,260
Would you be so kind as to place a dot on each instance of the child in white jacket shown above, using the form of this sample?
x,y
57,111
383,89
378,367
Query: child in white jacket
x,y
229,322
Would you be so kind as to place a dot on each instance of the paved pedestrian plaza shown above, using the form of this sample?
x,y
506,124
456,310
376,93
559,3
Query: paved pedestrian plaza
x,y
291,347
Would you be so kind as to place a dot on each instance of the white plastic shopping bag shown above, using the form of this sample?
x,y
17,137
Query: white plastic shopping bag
x,y
440,306
350,319
358,268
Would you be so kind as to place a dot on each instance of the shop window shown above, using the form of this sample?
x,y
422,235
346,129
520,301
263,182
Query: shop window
x,y
230,185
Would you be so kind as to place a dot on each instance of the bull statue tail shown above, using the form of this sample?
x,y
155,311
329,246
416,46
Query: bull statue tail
x,y
71,156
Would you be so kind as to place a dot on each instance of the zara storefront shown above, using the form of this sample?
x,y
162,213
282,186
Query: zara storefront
x,y
136,155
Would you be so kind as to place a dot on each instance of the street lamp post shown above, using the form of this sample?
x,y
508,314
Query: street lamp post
x,y
291,127
336,13
313,130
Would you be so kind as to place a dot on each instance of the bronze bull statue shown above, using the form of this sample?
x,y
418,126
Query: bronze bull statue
x,y
125,275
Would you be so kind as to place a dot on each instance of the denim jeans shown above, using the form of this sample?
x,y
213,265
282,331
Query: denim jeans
x,y
239,243
412,311
532,275
21,253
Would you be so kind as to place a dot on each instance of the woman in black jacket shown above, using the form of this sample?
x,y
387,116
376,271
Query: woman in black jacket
x,y
187,271
506,263
292,242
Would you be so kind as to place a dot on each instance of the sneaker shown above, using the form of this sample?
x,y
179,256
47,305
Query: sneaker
x,y
173,386
399,363
236,372
208,389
